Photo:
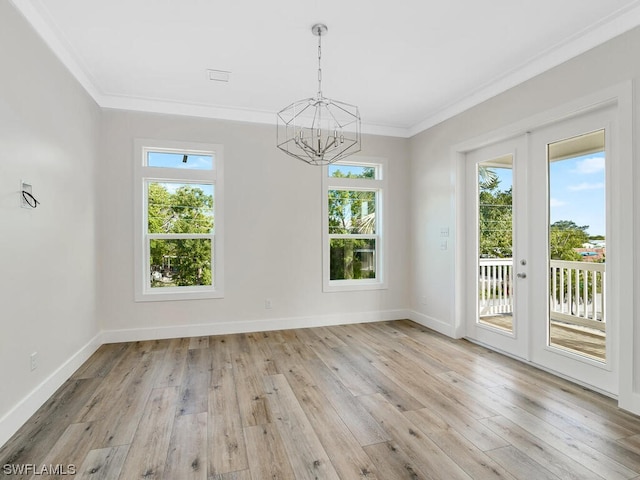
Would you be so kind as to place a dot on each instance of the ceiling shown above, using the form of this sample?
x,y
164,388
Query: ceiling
x,y
407,64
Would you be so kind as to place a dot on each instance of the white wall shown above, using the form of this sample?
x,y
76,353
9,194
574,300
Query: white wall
x,y
433,175
273,240
48,136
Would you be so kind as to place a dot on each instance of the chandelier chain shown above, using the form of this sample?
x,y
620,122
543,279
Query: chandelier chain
x,y
319,66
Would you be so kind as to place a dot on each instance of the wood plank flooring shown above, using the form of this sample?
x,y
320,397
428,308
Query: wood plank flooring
x,y
388,401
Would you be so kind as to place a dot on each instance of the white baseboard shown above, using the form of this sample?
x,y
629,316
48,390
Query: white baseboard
x,y
245,326
18,415
432,323
630,402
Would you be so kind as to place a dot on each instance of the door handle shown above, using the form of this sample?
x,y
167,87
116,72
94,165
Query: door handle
x,y
521,275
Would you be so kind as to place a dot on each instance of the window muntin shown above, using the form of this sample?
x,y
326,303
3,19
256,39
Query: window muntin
x,y
353,211
178,246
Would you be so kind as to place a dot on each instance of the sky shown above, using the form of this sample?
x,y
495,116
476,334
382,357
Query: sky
x,y
175,160
576,191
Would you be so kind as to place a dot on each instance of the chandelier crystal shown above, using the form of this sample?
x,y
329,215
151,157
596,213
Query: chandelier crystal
x,y
319,130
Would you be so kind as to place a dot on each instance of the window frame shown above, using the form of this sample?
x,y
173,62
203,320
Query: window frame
x,y
144,175
378,185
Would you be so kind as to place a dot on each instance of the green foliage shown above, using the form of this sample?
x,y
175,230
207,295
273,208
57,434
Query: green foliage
x,y
564,237
352,212
180,262
367,172
495,216
351,259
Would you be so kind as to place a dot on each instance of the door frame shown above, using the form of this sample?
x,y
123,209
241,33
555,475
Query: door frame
x,y
621,220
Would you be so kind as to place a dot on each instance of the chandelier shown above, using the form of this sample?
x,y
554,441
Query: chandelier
x,y
319,130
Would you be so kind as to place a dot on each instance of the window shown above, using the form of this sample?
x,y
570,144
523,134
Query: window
x,y
353,214
179,221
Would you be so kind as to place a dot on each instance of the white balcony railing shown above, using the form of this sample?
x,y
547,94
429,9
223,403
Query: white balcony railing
x,y
495,289
577,293
576,290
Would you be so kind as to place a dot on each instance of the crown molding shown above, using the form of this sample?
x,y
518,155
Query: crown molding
x,y
153,105
606,29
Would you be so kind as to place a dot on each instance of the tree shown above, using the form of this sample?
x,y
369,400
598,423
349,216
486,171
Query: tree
x,y
366,172
564,237
180,262
495,216
487,178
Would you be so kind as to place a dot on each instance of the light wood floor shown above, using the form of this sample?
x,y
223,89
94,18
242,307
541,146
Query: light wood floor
x,y
387,401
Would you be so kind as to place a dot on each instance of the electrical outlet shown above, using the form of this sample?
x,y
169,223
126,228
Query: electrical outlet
x,y
268,304
34,361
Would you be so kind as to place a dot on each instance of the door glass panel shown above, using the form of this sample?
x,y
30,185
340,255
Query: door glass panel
x,y
577,246
495,243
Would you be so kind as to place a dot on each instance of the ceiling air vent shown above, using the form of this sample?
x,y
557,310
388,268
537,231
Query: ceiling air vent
x,y
218,75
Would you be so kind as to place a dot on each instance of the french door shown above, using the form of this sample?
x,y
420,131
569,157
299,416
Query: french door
x,y
536,249
496,249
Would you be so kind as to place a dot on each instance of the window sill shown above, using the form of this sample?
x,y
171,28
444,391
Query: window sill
x,y
191,294
353,285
